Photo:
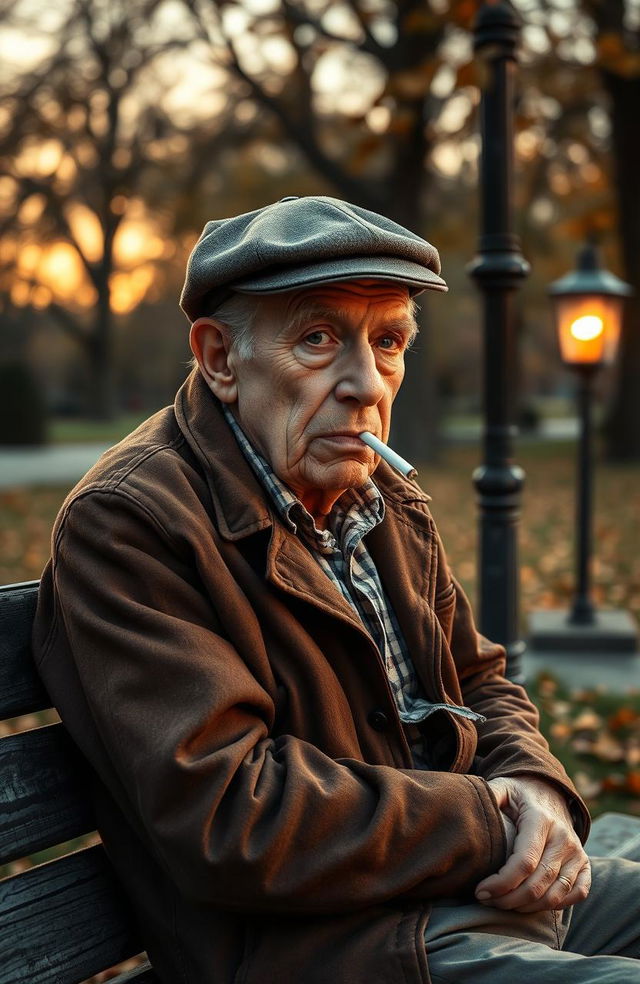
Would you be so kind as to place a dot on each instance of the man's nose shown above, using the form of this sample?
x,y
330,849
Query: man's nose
x,y
360,378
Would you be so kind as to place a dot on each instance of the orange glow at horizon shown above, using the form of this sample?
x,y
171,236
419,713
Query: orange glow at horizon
x,y
129,289
86,230
137,241
55,272
60,269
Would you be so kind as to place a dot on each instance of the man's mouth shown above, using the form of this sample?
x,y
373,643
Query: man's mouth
x,y
345,442
343,437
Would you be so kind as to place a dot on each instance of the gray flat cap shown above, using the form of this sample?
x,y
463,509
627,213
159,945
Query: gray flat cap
x,y
299,242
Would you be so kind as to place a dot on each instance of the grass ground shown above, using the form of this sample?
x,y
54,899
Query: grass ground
x,y
75,431
596,735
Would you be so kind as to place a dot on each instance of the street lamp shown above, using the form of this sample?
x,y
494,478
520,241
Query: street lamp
x,y
499,269
588,306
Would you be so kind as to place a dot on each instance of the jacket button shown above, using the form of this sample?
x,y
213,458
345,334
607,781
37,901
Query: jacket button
x,y
378,720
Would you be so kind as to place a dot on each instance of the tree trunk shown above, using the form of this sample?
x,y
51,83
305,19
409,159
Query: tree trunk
x,y
100,350
415,432
416,421
622,433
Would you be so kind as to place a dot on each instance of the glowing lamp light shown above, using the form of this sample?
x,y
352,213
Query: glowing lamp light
x,y
586,328
588,310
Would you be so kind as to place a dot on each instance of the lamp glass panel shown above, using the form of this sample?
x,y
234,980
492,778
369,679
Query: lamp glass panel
x,y
588,328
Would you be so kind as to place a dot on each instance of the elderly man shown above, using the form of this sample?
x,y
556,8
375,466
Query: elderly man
x,y
308,766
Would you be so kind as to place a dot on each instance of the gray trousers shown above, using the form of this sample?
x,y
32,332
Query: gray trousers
x,y
596,941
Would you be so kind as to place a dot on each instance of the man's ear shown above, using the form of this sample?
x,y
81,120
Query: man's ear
x,y
210,344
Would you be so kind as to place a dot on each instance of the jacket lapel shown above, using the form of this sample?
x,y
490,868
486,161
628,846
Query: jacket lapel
x,y
291,568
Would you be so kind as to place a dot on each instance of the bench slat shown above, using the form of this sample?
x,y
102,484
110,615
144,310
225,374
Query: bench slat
x,y
141,975
21,690
64,921
43,792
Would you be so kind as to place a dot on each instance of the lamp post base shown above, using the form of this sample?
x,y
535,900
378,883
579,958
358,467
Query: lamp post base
x,y
583,612
611,631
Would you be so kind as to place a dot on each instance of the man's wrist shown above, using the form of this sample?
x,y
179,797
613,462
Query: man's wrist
x,y
576,811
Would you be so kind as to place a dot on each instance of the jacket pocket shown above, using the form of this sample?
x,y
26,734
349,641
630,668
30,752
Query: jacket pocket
x,y
444,605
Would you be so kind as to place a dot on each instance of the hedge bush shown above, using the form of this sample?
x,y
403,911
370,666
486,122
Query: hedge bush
x,y
22,408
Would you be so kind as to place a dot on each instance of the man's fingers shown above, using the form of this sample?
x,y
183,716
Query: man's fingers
x,y
523,862
581,886
536,878
535,887
568,889
517,870
560,880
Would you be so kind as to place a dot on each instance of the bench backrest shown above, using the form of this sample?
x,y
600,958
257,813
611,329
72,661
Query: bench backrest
x,y
67,919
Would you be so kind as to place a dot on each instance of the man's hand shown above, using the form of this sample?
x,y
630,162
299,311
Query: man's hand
x,y
546,868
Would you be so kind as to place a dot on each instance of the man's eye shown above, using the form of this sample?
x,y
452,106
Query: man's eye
x,y
317,337
389,342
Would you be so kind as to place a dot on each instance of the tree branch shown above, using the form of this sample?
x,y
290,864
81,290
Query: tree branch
x,y
370,43
298,129
299,17
68,323
32,186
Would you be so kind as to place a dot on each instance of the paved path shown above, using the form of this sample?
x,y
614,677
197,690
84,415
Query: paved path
x,y
550,429
64,464
61,464
616,672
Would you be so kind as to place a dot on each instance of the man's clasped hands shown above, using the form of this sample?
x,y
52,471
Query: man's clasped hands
x,y
546,866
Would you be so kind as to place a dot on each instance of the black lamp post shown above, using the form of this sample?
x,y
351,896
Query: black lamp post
x,y
588,310
499,269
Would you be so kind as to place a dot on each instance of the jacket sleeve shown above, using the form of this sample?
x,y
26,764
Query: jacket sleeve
x,y
236,814
509,741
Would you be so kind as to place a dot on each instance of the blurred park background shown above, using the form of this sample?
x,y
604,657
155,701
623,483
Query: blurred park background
x,y
126,124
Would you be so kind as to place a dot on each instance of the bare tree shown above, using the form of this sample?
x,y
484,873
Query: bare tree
x,y
618,45
95,103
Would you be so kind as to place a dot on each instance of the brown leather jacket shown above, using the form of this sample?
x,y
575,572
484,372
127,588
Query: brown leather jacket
x,y
266,822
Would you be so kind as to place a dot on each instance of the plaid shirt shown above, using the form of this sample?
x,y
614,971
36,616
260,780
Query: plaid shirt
x,y
341,553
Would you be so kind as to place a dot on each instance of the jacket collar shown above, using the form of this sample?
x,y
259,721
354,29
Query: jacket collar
x,y
238,498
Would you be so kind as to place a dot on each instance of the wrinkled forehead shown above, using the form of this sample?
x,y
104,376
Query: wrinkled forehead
x,y
359,296
359,290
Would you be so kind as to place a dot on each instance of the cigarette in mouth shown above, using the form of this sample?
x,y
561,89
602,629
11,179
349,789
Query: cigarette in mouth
x,y
391,457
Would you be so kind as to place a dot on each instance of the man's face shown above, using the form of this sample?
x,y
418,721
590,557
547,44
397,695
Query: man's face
x,y
327,364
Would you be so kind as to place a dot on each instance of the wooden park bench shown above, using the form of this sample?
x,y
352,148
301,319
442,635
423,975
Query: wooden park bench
x,y
67,919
